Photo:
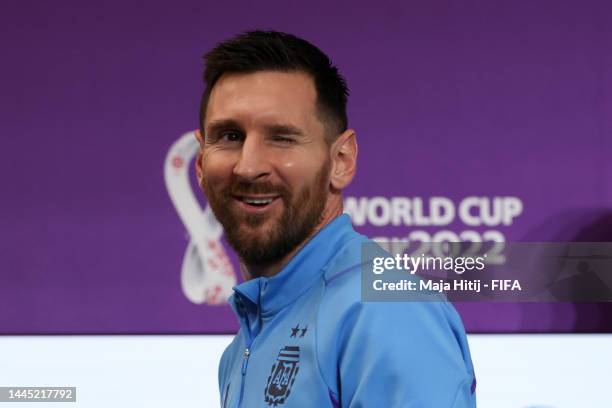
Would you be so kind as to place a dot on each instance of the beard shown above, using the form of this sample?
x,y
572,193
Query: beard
x,y
301,213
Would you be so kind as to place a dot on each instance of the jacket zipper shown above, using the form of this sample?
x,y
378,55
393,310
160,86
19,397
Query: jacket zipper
x,y
245,362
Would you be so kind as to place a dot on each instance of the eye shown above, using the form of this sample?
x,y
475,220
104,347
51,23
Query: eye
x,y
231,136
282,139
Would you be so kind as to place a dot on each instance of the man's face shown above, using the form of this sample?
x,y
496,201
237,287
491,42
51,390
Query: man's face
x,y
265,164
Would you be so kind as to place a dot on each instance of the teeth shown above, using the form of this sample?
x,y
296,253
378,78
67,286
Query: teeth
x,y
257,201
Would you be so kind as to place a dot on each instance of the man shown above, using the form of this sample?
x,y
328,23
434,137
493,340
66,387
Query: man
x,y
275,156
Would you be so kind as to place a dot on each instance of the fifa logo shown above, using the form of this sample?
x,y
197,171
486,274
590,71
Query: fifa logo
x,y
207,275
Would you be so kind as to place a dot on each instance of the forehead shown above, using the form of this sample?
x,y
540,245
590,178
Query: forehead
x,y
268,96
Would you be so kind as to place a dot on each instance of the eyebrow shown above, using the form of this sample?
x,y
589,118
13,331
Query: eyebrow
x,y
222,124
283,129
277,128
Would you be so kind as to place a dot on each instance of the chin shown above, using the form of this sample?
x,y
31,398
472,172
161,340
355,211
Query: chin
x,y
260,234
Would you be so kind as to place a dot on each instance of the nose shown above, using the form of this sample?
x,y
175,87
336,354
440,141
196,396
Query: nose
x,y
254,161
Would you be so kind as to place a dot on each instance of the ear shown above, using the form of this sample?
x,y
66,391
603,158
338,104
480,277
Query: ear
x,y
344,159
198,161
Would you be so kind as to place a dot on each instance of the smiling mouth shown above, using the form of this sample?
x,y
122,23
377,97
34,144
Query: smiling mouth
x,y
257,202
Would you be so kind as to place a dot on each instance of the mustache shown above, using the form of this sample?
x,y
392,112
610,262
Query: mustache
x,y
240,187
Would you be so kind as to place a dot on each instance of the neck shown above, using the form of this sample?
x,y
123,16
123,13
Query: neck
x,y
333,208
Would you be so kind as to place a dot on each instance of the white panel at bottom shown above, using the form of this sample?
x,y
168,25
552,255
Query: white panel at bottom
x,y
513,371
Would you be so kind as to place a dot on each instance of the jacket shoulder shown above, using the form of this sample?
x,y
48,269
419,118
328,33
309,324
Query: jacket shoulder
x,y
349,329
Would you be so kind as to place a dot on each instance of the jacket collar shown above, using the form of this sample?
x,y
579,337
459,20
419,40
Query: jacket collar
x,y
269,295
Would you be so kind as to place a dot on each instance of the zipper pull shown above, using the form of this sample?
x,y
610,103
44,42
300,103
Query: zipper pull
x,y
247,353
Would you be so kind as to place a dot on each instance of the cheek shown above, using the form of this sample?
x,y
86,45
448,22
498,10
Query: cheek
x,y
300,171
216,170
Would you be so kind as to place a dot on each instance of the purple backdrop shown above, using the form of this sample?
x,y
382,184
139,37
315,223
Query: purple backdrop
x,y
450,99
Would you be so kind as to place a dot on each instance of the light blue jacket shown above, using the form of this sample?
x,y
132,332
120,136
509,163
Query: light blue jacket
x,y
307,340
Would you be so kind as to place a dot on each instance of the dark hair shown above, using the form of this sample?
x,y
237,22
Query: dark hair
x,y
255,51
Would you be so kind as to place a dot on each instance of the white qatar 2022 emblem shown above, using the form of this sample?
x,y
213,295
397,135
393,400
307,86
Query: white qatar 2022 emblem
x,y
207,275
